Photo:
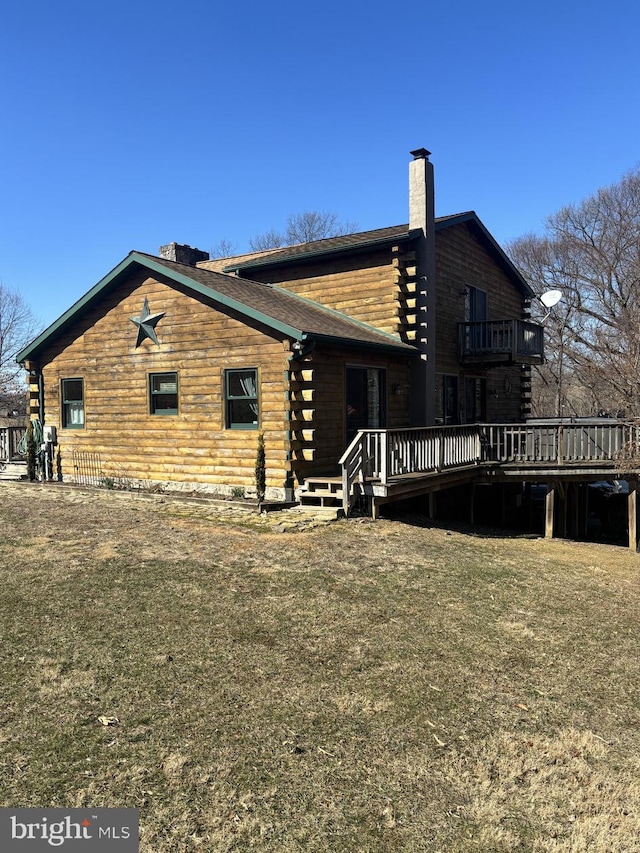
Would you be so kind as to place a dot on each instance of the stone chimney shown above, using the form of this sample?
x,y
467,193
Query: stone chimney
x,y
182,254
422,220
421,193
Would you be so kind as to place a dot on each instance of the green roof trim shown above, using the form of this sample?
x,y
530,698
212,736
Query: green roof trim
x,y
384,237
283,256
74,311
112,279
179,274
211,293
393,341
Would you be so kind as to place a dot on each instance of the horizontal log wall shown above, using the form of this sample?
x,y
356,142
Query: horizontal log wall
x,y
323,427
361,285
199,343
462,261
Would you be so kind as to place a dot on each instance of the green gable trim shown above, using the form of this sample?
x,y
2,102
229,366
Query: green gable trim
x,y
136,260
358,324
212,293
106,284
331,246
76,310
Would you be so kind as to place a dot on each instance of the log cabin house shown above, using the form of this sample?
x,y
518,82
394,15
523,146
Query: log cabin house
x,y
368,362
169,367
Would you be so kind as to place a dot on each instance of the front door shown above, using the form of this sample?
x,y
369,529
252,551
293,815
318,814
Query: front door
x,y
365,399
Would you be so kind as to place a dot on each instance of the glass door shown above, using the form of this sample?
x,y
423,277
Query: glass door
x,y
365,399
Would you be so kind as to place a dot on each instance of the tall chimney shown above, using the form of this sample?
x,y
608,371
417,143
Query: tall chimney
x,y
421,193
422,220
182,254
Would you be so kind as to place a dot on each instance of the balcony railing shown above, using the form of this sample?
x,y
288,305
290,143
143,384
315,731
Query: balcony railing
x,y
501,341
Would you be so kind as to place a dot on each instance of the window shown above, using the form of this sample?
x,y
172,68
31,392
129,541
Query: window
x,y
163,393
475,305
365,399
72,393
446,399
475,402
475,311
241,398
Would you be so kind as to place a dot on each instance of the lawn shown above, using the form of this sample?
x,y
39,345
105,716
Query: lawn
x,y
388,686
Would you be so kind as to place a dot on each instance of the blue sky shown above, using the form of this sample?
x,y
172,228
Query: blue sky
x,y
126,125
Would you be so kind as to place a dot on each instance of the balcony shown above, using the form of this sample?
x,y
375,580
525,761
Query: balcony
x,y
500,342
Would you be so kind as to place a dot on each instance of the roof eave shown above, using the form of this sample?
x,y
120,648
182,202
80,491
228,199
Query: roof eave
x,y
310,255
111,279
511,269
74,311
381,346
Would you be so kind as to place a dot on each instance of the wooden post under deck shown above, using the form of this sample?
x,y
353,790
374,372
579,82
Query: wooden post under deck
x,y
548,512
633,515
432,504
375,509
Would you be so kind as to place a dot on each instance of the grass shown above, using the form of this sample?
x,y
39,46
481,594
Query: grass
x,y
359,687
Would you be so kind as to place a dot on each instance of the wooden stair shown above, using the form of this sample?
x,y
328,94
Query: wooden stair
x,y
321,493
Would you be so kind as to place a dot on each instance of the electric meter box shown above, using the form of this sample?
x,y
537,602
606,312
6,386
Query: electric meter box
x,y
50,434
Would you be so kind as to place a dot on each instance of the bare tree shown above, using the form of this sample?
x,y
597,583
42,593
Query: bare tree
x,y
269,240
224,248
591,252
17,327
303,228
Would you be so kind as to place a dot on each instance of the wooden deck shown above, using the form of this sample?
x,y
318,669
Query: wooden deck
x,y
391,465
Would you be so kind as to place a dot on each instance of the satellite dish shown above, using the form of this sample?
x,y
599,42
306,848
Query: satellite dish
x,y
550,298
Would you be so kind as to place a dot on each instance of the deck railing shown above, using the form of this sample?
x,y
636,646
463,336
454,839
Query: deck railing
x,y
515,339
10,438
562,443
378,454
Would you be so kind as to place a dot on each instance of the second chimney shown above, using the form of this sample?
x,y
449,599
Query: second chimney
x,y
183,254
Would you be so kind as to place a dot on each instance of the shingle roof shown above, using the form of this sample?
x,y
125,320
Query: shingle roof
x,y
368,239
345,242
272,306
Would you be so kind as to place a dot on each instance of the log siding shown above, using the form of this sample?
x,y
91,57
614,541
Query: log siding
x,y
198,343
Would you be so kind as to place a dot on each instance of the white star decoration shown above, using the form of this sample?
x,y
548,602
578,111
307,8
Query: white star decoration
x,y
146,324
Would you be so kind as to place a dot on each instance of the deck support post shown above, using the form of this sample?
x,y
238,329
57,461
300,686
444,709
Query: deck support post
x,y
432,504
548,512
633,514
472,507
375,509
585,510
